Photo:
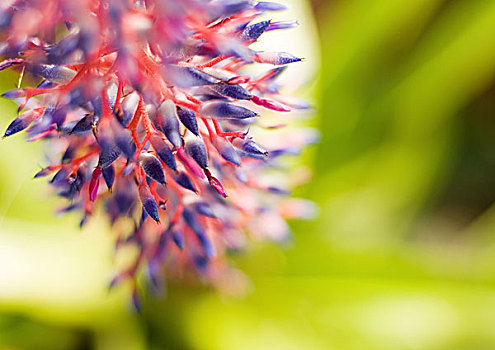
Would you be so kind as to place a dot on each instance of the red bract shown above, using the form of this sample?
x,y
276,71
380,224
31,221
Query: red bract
x,y
152,96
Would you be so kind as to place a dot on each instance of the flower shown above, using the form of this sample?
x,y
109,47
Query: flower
x,y
148,107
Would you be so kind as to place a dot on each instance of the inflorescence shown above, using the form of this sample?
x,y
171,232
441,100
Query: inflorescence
x,y
148,110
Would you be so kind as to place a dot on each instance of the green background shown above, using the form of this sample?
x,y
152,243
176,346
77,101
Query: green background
x,y
400,256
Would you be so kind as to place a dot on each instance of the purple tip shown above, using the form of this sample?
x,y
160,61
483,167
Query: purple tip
x,y
188,119
186,76
197,150
152,167
269,6
178,238
109,176
149,203
185,181
163,151
17,125
282,25
224,110
233,91
254,31
16,93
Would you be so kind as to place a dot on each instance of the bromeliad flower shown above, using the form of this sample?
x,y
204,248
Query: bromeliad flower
x,y
149,108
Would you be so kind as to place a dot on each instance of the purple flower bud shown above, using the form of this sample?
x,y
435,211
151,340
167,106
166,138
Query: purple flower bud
x,y
254,31
129,106
197,150
192,221
17,125
22,122
249,146
224,110
276,58
228,7
163,151
83,125
45,84
43,172
282,25
227,151
54,73
188,119
148,202
152,167
69,153
125,200
165,120
58,116
206,244
16,93
109,151
277,190
69,208
203,208
233,91
177,237
60,175
185,181
124,141
109,176
269,6
67,127
186,76
59,52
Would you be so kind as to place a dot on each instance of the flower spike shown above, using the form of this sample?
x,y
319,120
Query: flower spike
x,y
153,99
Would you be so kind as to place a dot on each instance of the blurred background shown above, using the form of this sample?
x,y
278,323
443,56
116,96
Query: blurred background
x,y
401,255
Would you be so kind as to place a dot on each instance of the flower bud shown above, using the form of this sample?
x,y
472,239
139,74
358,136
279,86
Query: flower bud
x,y
276,58
254,31
185,181
196,149
163,151
166,120
233,91
148,202
188,119
152,167
225,110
